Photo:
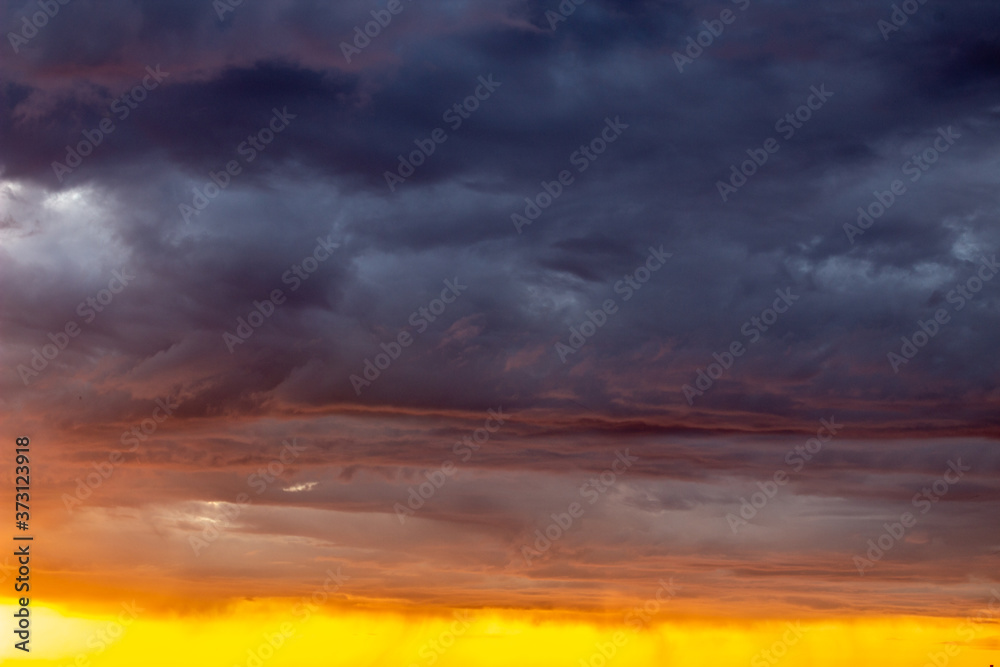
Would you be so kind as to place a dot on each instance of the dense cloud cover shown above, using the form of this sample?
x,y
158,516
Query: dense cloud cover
x,y
251,155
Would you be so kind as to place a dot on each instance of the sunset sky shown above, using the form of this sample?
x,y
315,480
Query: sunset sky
x,y
381,332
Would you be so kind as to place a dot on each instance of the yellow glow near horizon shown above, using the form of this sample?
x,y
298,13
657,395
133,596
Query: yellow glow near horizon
x,y
279,634
64,634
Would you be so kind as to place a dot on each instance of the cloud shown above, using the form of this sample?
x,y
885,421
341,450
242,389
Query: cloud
x,y
323,177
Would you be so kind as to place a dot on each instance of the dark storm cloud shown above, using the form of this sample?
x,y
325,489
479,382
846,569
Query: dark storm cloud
x,y
656,185
653,190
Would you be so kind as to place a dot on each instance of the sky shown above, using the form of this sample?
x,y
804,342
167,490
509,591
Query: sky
x,y
529,328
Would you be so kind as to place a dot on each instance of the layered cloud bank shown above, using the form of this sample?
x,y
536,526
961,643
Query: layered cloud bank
x,y
401,288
